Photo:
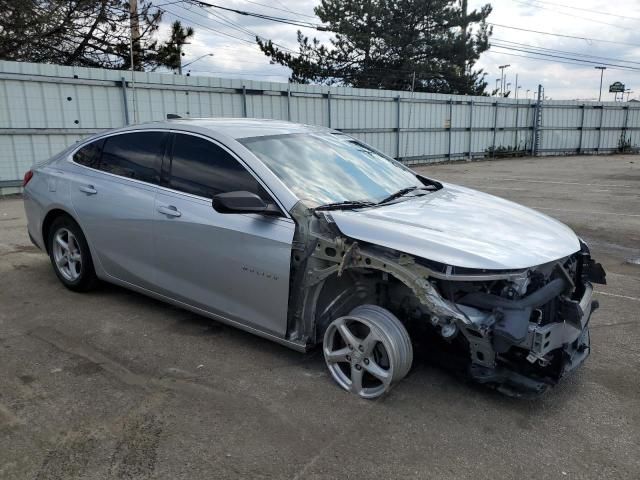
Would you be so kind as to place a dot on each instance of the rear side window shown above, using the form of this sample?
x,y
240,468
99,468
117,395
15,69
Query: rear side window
x,y
202,168
134,155
89,155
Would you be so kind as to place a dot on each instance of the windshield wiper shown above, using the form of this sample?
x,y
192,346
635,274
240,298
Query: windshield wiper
x,y
398,194
345,205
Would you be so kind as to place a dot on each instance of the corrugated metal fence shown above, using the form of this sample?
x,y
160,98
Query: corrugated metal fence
x,y
44,108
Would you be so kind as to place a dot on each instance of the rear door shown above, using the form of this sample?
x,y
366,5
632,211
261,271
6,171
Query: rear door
x,y
233,265
113,196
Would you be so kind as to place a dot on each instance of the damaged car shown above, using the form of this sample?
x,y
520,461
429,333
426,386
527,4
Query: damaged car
x,y
311,238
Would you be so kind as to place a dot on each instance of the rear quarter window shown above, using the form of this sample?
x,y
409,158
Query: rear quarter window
x,y
90,154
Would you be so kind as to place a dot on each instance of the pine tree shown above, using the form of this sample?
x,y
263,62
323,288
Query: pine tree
x,y
88,33
383,43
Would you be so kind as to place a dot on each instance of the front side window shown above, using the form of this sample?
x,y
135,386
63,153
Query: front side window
x,y
321,168
134,155
202,168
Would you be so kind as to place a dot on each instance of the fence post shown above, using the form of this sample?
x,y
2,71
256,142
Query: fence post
x,y
537,117
495,130
289,103
516,146
581,129
329,108
600,129
450,126
398,127
126,103
470,129
624,129
244,101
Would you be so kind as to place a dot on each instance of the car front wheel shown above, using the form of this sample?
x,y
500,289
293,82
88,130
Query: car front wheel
x,y
367,351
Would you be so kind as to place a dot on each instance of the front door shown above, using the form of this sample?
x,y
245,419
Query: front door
x,y
233,265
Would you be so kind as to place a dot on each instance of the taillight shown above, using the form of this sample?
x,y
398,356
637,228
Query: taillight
x,y
27,176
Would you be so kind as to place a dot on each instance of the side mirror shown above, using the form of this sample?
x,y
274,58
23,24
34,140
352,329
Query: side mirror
x,y
242,202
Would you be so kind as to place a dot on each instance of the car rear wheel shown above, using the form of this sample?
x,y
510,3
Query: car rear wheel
x,y
70,255
368,351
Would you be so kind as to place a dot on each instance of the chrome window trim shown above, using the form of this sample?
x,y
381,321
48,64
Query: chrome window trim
x,y
84,143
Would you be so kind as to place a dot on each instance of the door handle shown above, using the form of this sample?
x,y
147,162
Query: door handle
x,y
88,189
170,211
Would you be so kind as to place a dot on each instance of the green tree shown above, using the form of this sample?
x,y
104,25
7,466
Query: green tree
x,y
170,53
383,43
88,33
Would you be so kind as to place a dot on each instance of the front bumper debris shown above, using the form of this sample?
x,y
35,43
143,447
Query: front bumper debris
x,y
545,355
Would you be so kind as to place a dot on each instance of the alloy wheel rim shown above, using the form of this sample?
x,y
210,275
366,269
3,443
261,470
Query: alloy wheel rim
x,y
358,356
67,254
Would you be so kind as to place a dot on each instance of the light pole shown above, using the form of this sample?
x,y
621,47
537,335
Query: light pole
x,y
602,69
506,89
502,67
199,58
527,94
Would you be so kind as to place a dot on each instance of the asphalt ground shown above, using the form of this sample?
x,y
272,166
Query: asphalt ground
x,y
112,384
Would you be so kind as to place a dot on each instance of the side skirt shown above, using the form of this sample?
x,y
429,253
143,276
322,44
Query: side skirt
x,y
300,347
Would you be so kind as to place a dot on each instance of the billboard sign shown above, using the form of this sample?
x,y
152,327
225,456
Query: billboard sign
x,y
616,87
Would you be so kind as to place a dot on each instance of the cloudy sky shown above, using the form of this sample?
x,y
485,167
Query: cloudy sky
x,y
609,32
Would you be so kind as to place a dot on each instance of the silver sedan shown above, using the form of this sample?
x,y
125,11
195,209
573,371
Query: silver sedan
x,y
307,236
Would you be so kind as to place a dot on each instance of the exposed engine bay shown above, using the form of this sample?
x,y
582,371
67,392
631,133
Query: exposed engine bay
x,y
518,331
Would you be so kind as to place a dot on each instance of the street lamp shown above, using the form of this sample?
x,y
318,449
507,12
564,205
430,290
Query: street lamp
x,y
502,67
194,61
602,69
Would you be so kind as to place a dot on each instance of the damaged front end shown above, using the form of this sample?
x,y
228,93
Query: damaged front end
x,y
528,331
519,331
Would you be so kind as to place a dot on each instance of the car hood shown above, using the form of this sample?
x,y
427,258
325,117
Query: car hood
x,y
462,227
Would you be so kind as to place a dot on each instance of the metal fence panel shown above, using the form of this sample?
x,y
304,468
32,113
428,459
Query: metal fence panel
x,y
45,108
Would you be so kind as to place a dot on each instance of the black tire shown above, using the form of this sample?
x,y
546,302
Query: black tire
x,y
86,275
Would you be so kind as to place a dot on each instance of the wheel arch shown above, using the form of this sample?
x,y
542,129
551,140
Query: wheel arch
x,y
48,220
336,295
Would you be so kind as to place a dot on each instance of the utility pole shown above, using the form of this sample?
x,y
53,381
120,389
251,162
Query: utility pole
x,y
602,69
517,87
134,41
464,25
502,67
135,31
180,54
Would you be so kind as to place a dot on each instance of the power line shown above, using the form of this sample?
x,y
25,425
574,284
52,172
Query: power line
x,y
289,21
553,50
281,9
626,17
573,15
217,32
625,67
226,22
587,39
562,59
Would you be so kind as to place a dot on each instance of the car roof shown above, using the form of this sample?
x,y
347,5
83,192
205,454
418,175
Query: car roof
x,y
238,127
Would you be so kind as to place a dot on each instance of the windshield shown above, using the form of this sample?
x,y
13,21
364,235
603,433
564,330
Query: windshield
x,y
321,168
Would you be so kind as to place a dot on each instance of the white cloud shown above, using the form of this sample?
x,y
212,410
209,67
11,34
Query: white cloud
x,y
242,59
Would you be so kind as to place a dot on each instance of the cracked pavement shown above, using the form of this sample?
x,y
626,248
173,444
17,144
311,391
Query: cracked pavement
x,y
112,384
